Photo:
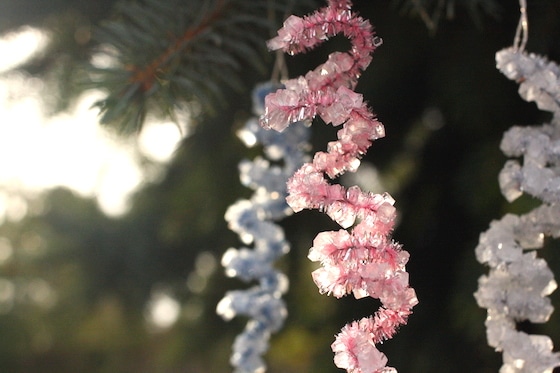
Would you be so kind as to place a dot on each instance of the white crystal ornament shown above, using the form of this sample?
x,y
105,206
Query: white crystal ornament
x,y
519,283
254,221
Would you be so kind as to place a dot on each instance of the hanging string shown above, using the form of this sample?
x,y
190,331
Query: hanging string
x,y
280,68
522,32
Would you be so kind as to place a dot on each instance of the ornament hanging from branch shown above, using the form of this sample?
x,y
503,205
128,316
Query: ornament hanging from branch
x,y
361,259
254,220
518,284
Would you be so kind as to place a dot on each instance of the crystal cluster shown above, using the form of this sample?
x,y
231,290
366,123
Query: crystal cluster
x,y
518,284
361,259
253,220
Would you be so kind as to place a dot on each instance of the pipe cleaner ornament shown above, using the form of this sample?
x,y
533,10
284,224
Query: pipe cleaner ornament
x,y
254,220
364,260
519,282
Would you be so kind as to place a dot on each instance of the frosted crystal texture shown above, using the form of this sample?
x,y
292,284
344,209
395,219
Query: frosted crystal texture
x,y
361,259
538,78
253,220
518,284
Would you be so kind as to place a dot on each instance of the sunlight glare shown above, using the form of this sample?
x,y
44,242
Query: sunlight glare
x,y
6,250
163,310
40,152
19,46
70,149
155,139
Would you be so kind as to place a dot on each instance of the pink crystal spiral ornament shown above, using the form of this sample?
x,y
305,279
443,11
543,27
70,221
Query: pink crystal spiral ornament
x,y
360,259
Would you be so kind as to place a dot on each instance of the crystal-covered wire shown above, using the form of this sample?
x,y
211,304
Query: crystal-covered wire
x,y
518,284
253,220
364,260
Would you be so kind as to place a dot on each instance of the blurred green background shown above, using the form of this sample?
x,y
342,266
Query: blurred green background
x,y
77,287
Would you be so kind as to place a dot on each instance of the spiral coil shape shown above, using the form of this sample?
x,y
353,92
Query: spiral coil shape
x,y
360,259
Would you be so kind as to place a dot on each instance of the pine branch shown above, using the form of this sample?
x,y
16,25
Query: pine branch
x,y
170,53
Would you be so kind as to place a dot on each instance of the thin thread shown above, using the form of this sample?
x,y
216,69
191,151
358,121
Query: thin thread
x,y
522,32
280,69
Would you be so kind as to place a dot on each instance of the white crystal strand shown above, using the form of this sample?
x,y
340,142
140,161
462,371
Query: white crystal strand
x,y
253,220
518,284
